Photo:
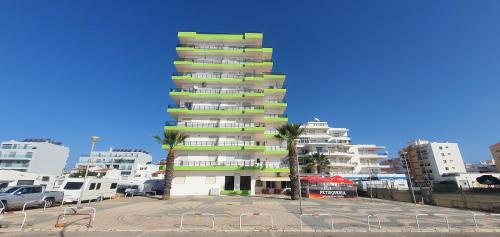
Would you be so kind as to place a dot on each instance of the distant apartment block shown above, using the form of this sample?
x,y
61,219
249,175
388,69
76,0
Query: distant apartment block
x,y
335,144
430,162
42,156
126,161
495,153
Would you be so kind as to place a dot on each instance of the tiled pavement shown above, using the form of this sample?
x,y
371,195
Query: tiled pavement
x,y
349,215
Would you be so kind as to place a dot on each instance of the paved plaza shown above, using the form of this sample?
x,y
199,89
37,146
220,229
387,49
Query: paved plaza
x,y
150,215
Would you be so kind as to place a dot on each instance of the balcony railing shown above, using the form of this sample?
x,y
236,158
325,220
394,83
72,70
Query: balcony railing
x,y
221,143
7,165
213,124
252,163
274,101
276,148
217,46
276,116
216,91
218,107
221,61
224,75
23,156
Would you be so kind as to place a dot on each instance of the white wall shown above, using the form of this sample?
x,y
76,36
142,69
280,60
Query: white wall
x,y
195,182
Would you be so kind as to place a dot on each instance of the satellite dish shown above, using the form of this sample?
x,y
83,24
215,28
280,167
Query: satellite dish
x,y
316,119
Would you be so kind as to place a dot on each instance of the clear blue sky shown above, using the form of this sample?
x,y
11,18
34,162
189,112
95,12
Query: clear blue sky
x,y
391,71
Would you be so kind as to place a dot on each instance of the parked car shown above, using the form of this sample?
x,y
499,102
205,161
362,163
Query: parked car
x,y
16,196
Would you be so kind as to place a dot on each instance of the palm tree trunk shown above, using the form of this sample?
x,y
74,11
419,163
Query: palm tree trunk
x,y
169,175
294,173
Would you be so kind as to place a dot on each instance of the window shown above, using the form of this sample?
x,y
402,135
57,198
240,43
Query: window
x,y
442,154
210,180
29,154
446,168
245,183
440,148
38,189
229,183
444,161
113,186
73,185
98,186
45,178
6,146
270,184
92,186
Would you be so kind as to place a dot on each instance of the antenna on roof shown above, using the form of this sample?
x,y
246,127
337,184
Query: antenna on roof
x,y
316,119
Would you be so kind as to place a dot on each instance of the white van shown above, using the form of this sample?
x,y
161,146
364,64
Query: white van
x,y
94,188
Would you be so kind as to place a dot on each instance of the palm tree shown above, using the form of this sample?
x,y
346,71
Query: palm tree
x,y
319,161
290,133
170,140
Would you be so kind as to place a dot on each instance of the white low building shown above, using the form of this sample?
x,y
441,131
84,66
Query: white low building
x,y
124,160
42,156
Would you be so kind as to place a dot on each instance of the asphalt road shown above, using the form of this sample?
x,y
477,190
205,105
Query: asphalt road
x,y
246,234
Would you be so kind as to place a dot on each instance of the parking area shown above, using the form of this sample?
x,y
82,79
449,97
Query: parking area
x,y
233,214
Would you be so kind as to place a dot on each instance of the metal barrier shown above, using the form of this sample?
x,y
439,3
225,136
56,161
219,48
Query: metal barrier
x,y
30,202
317,215
75,210
198,214
258,214
435,214
482,214
25,216
151,192
131,194
368,222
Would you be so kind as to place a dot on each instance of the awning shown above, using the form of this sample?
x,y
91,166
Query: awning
x,y
274,178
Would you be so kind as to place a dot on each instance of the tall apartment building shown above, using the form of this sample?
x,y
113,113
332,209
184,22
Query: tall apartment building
x,y
430,162
345,158
126,161
229,103
495,154
42,156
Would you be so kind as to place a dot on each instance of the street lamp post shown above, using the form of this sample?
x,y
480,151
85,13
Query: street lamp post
x,y
94,139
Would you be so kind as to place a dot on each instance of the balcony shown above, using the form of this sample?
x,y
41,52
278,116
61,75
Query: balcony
x,y
17,156
280,118
215,127
364,155
276,150
226,78
215,110
278,90
228,166
219,49
246,38
221,93
220,146
368,165
332,153
183,64
14,166
275,103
